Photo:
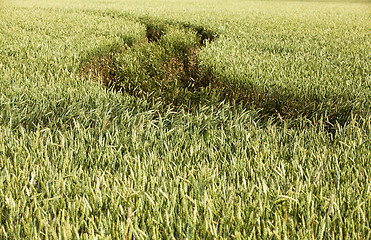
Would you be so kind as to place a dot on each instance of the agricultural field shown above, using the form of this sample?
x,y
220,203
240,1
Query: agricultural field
x,y
169,119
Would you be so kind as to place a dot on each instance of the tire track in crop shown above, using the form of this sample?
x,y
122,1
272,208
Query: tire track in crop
x,y
173,75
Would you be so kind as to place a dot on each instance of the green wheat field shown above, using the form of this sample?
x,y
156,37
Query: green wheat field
x,y
170,119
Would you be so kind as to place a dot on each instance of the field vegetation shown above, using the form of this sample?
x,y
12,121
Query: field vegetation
x,y
185,119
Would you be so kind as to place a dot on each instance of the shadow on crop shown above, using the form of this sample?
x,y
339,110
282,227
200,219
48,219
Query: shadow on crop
x,y
164,66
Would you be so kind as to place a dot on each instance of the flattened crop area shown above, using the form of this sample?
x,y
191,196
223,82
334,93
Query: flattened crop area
x,y
165,65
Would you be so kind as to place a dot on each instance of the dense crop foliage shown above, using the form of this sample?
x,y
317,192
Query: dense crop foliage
x,y
221,120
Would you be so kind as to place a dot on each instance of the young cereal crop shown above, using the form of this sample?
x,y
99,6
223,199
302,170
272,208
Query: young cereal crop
x,y
185,120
